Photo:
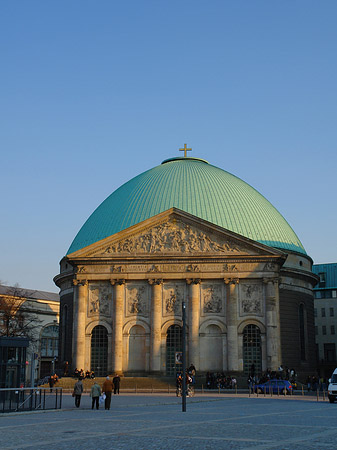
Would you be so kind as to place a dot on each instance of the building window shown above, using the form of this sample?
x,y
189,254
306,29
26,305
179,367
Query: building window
x,y
324,330
329,352
99,351
252,353
321,279
332,329
323,312
49,341
334,294
317,294
315,312
174,348
331,312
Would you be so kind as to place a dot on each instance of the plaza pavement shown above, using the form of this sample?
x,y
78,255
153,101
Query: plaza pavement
x,y
156,422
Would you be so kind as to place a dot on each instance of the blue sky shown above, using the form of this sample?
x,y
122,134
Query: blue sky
x,y
95,92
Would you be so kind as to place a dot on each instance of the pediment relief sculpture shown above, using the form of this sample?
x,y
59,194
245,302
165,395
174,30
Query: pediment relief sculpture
x,y
174,237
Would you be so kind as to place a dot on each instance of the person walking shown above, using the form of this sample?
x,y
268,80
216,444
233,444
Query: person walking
x,y
95,393
78,391
116,381
107,390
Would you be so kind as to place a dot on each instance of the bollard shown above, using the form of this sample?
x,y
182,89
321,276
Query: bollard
x,y
257,392
236,389
317,394
265,391
278,390
219,389
323,395
202,388
302,390
249,392
168,387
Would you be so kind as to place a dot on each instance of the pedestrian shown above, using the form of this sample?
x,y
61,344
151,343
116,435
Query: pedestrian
x,y
51,383
116,381
107,390
95,393
77,392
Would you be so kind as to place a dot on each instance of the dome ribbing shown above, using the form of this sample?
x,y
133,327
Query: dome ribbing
x,y
199,188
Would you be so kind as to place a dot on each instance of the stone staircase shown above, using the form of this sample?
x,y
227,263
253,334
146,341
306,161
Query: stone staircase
x,y
128,384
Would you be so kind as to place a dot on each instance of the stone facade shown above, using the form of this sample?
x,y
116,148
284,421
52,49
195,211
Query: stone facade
x,y
133,283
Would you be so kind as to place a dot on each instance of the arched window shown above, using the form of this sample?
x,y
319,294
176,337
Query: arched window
x,y
99,351
302,329
173,349
252,350
49,341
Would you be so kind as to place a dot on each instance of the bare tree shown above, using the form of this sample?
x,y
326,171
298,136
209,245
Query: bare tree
x,y
17,319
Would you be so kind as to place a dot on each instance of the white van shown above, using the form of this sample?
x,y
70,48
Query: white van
x,y
332,388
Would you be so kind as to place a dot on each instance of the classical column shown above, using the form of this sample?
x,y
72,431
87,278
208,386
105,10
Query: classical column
x,y
272,325
232,328
117,332
81,301
156,321
194,323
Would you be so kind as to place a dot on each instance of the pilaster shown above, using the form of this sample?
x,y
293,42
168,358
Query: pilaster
x,y
117,331
194,322
232,327
81,301
156,322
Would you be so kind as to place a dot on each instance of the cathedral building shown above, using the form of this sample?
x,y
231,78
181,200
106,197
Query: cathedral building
x,y
188,231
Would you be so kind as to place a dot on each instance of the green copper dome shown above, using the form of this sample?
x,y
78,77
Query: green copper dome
x,y
195,186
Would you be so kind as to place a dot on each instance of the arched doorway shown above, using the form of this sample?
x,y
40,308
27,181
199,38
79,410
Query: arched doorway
x,y
252,349
211,345
99,351
173,346
137,353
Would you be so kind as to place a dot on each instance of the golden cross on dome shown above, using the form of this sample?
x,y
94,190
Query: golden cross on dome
x,y
185,150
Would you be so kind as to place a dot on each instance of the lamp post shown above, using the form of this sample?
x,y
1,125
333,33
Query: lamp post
x,y
183,394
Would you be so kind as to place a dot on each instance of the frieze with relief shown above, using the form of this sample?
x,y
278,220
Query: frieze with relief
x,y
100,296
251,299
173,237
137,296
173,296
212,299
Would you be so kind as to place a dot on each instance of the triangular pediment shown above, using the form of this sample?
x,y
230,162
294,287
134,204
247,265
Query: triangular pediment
x,y
174,232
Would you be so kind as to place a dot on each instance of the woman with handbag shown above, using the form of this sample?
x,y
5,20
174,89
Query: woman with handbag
x,y
77,392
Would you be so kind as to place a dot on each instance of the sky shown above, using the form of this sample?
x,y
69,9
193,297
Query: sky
x,y
95,92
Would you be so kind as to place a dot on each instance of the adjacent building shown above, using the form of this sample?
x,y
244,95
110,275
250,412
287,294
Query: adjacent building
x,y
186,232
326,317
29,346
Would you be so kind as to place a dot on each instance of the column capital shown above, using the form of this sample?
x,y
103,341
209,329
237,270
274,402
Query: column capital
x,y
274,280
231,280
157,281
193,281
80,282
119,282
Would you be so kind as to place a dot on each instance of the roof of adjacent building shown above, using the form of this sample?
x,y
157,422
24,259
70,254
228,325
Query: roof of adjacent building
x,y
199,188
330,271
14,291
